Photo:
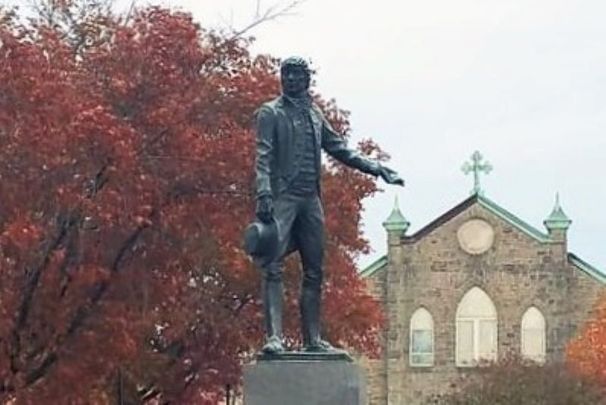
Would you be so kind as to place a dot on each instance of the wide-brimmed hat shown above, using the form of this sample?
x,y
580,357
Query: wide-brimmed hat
x,y
261,240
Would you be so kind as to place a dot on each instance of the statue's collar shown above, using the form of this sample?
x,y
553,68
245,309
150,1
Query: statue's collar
x,y
300,102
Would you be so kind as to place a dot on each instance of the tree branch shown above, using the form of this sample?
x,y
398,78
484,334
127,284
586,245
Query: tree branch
x,y
271,13
84,311
32,284
130,12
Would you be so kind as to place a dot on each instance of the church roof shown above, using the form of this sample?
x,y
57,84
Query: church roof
x,y
500,212
374,267
586,267
490,206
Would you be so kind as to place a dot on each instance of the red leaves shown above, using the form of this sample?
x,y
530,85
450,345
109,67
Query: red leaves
x,y
22,233
126,175
587,352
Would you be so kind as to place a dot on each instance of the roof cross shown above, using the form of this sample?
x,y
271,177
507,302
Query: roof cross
x,y
476,166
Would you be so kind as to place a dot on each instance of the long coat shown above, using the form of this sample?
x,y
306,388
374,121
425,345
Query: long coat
x,y
276,161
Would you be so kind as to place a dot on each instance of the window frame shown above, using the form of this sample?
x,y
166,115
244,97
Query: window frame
x,y
411,331
523,336
476,356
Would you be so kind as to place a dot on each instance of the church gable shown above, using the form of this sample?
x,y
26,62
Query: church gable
x,y
487,209
478,226
484,217
477,283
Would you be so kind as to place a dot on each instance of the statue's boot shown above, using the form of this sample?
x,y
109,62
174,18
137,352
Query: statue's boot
x,y
272,305
310,322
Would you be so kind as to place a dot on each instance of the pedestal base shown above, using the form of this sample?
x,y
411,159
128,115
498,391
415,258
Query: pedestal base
x,y
304,380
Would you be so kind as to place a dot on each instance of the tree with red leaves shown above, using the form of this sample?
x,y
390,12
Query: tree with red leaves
x,y
126,175
587,352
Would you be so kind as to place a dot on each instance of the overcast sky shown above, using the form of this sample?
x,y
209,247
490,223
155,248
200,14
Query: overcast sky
x,y
522,81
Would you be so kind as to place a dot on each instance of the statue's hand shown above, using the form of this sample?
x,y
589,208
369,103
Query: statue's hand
x,y
265,209
390,176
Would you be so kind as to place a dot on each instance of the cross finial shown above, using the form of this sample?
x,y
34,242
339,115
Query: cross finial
x,y
476,166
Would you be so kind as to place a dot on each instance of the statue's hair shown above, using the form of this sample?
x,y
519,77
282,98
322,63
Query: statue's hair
x,y
295,61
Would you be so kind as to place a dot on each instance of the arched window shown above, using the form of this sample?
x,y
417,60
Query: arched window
x,y
533,335
476,329
421,339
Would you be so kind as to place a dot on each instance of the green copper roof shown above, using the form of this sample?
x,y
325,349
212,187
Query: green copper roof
x,y
505,215
512,219
587,268
557,219
573,259
374,267
396,221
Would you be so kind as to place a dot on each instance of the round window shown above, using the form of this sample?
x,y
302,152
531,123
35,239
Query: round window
x,y
475,236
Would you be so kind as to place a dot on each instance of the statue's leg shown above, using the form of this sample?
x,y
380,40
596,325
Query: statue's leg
x,y
285,210
272,306
310,237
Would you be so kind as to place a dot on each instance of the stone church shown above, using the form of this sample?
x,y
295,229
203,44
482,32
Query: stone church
x,y
477,283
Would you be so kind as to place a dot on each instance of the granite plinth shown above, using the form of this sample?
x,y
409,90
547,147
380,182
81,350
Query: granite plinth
x,y
304,379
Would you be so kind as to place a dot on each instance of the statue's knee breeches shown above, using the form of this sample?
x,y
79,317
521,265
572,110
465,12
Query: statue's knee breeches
x,y
312,278
273,272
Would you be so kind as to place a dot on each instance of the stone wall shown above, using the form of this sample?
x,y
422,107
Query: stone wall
x,y
434,272
375,369
584,295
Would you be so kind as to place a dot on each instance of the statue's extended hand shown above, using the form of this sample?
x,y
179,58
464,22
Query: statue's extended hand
x,y
390,176
265,209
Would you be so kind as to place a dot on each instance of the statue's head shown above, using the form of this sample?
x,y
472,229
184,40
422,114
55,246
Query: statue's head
x,y
295,76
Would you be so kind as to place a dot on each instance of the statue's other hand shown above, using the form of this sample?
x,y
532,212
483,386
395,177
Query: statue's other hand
x,y
390,176
265,209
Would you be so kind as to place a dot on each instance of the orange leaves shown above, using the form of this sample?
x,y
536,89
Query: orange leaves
x,y
587,352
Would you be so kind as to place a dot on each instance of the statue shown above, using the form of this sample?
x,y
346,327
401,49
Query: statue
x,y
291,129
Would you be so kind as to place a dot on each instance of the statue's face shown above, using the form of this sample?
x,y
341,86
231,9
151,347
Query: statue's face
x,y
295,81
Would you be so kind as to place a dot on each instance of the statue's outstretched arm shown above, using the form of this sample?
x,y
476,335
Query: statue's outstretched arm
x,y
337,147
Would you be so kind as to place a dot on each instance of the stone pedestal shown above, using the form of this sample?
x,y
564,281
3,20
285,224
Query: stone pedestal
x,y
304,379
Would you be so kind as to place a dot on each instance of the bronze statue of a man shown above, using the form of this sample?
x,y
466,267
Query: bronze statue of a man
x,y
291,131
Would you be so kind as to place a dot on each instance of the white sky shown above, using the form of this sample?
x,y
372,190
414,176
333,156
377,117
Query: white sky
x,y
523,81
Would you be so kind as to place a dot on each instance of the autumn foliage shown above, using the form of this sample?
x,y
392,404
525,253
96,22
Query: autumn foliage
x,y
126,157
515,381
587,351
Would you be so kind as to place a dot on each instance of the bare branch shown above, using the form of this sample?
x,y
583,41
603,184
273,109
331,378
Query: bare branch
x,y
228,22
129,13
258,10
271,13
